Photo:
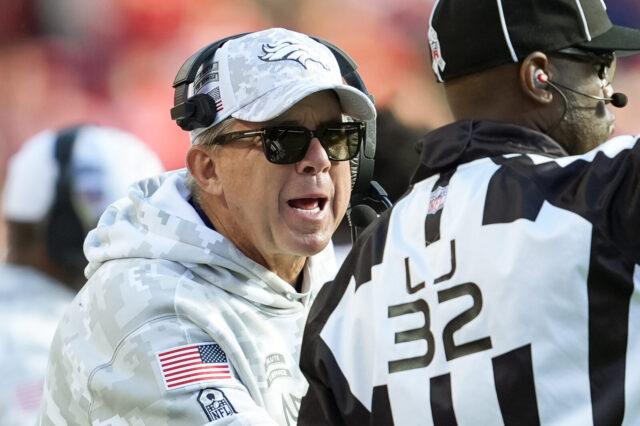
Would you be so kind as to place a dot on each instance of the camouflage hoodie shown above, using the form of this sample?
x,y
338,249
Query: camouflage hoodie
x,y
175,325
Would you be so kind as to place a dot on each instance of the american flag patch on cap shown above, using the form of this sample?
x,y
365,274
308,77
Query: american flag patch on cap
x,y
196,363
215,94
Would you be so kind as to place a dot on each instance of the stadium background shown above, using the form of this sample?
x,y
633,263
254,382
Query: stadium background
x,y
112,62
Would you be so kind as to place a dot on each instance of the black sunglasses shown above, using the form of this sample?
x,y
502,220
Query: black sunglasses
x,y
289,144
604,60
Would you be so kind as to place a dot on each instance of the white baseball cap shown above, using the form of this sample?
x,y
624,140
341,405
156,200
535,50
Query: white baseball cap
x,y
261,75
104,162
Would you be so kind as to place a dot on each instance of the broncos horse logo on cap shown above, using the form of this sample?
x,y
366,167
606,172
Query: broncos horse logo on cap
x,y
289,51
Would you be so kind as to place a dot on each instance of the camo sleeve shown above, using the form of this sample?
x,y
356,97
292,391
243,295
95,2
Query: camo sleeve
x,y
166,373
140,362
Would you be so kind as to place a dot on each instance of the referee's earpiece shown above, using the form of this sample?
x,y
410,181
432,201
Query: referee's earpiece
x,y
540,79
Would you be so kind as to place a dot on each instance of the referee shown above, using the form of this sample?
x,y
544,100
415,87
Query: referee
x,y
504,288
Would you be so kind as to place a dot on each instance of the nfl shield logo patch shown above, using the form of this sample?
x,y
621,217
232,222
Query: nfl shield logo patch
x,y
436,199
215,404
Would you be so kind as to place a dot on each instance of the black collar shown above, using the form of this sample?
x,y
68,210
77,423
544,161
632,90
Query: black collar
x,y
467,140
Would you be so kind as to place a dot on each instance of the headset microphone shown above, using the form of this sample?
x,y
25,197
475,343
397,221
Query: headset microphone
x,y
542,80
360,216
619,100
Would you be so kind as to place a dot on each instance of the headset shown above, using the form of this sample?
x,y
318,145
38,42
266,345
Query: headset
x,y
64,230
199,111
542,81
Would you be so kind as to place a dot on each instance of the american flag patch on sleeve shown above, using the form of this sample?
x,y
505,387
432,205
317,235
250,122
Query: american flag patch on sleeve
x,y
196,363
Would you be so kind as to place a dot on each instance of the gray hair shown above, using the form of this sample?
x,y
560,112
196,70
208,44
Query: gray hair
x,y
207,138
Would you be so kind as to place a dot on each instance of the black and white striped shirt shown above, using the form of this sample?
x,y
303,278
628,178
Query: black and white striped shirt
x,y
504,288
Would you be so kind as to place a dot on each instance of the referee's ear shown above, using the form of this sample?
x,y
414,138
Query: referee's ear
x,y
529,67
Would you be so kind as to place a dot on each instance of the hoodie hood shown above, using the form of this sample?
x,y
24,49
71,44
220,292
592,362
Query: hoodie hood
x,y
156,221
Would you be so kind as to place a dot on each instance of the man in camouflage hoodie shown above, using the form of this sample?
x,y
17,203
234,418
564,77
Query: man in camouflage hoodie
x,y
201,280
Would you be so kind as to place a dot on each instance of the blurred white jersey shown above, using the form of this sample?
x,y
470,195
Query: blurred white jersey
x,y
31,304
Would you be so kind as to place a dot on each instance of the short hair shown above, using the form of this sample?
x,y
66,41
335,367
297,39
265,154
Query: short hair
x,y
207,138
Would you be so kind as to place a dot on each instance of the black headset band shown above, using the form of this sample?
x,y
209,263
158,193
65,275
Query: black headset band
x,y
63,149
64,229
187,73
189,69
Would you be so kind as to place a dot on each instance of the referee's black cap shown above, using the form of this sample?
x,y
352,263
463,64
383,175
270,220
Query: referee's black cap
x,y
469,36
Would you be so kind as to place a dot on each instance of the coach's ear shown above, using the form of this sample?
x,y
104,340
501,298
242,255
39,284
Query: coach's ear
x,y
201,163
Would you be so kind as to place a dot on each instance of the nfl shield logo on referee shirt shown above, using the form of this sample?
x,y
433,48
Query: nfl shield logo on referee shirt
x,y
195,363
436,199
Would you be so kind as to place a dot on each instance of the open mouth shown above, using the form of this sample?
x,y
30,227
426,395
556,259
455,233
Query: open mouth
x,y
308,205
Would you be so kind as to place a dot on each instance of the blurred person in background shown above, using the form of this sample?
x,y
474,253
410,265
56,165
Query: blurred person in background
x,y
57,185
504,288
200,282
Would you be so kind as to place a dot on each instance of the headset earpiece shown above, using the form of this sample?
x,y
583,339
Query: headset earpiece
x,y
198,111
540,79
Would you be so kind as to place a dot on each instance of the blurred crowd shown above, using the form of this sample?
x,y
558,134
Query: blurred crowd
x,y
112,62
